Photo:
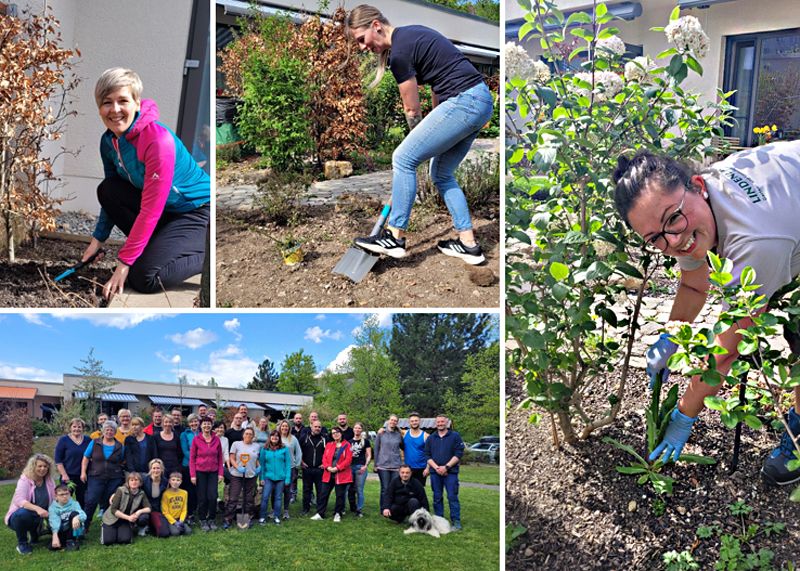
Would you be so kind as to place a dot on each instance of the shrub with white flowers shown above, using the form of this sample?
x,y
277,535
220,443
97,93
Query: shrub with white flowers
x,y
568,314
518,62
687,35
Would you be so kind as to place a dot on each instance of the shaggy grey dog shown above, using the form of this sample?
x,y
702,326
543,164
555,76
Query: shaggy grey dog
x,y
422,521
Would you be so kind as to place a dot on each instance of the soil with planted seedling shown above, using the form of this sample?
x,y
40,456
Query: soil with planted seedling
x,y
251,271
580,513
28,282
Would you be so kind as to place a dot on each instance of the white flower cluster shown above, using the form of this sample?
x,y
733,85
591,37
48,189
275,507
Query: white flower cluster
x,y
607,84
673,327
638,69
519,64
687,35
613,45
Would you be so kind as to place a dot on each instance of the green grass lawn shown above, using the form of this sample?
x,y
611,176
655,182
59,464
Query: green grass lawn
x,y
367,543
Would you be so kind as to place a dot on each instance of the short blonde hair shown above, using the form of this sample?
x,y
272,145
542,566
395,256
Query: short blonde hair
x,y
137,420
30,468
153,462
117,78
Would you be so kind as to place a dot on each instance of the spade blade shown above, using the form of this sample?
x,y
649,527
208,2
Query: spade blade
x,y
355,264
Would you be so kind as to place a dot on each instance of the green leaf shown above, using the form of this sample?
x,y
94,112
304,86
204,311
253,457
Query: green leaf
x,y
694,65
795,496
629,270
560,291
524,30
624,447
608,315
667,53
753,422
631,470
601,10
697,459
578,18
714,403
517,156
559,271
675,14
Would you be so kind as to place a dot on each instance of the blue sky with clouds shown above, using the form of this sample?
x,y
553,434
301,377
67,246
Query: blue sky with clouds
x,y
159,346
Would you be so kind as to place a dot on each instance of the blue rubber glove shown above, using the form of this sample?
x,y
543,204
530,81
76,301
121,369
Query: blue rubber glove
x,y
657,356
678,432
242,470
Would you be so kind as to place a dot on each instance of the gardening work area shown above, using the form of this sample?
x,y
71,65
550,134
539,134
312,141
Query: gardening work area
x,y
593,517
251,271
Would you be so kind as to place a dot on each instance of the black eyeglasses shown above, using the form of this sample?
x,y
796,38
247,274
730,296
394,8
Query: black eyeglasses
x,y
674,225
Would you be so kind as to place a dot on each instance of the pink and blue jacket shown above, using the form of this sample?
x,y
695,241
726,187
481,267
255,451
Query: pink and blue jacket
x,y
24,493
152,158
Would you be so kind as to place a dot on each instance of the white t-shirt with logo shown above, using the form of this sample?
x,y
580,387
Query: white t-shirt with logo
x,y
755,198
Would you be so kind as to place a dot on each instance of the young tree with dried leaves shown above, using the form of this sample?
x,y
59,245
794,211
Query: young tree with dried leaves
x,y
36,81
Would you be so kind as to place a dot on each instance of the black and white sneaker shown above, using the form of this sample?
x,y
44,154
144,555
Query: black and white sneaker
x,y
473,255
383,243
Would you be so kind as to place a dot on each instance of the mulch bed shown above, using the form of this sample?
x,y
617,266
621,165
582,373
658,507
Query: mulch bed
x,y
577,507
251,272
28,281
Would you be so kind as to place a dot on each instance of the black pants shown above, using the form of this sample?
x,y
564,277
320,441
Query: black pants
x,y
121,531
322,497
402,511
311,477
80,488
176,249
237,486
416,473
191,489
65,532
206,495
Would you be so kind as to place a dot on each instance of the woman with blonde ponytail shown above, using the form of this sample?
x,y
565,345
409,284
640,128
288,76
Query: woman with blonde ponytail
x,y
462,104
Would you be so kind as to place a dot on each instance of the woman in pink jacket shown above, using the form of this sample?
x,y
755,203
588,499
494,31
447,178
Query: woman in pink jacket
x,y
336,474
205,469
33,496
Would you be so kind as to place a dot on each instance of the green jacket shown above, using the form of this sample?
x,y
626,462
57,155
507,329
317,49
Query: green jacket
x,y
122,497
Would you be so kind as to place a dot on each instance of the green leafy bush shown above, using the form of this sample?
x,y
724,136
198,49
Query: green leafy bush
x,y
569,315
42,428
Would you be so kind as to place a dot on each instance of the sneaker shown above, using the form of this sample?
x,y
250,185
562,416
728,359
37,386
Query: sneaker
x,y
226,525
262,521
337,518
212,525
204,525
286,514
304,513
72,545
473,255
775,470
359,513
277,520
456,525
383,243
316,517
24,549
142,531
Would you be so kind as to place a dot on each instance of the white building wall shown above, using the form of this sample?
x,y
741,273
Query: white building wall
x,y
718,21
148,36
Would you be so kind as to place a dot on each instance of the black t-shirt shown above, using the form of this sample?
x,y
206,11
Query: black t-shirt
x,y
40,496
234,435
359,449
170,452
434,60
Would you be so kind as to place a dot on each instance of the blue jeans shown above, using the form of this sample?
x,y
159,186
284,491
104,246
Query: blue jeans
x,y
450,484
98,491
272,487
24,522
444,135
357,489
386,477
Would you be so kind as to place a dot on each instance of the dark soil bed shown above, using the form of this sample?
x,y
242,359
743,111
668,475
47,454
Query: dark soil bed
x,y
28,282
251,272
578,509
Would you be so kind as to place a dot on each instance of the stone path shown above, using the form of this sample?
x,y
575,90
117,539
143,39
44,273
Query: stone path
x,y
376,185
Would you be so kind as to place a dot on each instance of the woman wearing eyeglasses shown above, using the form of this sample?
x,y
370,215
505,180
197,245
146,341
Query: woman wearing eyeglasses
x,y
747,209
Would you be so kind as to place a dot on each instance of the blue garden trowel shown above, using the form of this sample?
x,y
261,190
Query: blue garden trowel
x,y
79,265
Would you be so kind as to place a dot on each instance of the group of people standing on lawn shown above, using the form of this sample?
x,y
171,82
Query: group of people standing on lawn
x,y
163,477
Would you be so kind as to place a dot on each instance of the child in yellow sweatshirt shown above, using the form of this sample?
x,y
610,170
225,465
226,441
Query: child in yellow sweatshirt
x,y
174,502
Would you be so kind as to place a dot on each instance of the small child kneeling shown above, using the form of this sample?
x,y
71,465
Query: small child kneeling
x,y
66,520
174,502
129,507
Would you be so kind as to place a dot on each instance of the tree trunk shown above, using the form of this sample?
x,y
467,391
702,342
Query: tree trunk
x,y
5,188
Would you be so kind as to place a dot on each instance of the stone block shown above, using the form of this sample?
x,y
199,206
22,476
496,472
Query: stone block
x,y
338,169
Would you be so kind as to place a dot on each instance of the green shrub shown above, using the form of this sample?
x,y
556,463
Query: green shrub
x,y
42,428
384,111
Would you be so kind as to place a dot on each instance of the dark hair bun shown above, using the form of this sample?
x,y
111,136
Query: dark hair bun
x,y
623,164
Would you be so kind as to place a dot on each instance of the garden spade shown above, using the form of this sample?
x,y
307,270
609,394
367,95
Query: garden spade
x,y
79,265
356,263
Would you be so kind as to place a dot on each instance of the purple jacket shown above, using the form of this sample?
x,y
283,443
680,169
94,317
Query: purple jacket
x,y
205,456
24,493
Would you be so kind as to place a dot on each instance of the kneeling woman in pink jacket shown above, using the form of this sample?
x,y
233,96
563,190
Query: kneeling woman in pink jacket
x,y
152,190
336,474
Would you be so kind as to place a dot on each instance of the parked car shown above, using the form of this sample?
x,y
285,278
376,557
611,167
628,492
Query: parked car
x,y
485,452
490,439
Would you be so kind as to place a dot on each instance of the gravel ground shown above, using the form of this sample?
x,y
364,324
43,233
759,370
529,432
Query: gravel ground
x,y
81,223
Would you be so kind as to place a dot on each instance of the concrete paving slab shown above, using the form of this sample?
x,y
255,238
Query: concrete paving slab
x,y
179,296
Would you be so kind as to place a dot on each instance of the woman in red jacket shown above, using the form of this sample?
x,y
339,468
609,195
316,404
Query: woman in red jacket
x,y
336,474
205,469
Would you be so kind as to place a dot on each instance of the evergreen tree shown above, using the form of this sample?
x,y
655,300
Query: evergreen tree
x,y
212,382
94,383
298,373
265,379
431,349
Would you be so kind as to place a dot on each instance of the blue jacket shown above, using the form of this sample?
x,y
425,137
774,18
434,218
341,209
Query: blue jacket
x,y
442,448
276,464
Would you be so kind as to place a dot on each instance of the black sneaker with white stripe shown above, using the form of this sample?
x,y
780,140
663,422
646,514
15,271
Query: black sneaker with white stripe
x,y
473,255
383,243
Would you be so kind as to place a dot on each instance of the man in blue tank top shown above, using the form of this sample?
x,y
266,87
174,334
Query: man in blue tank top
x,y
414,447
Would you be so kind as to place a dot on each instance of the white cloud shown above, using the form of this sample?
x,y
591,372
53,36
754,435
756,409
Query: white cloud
x,y
317,334
232,325
193,339
175,359
35,318
320,317
23,373
229,367
384,321
339,362
116,320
